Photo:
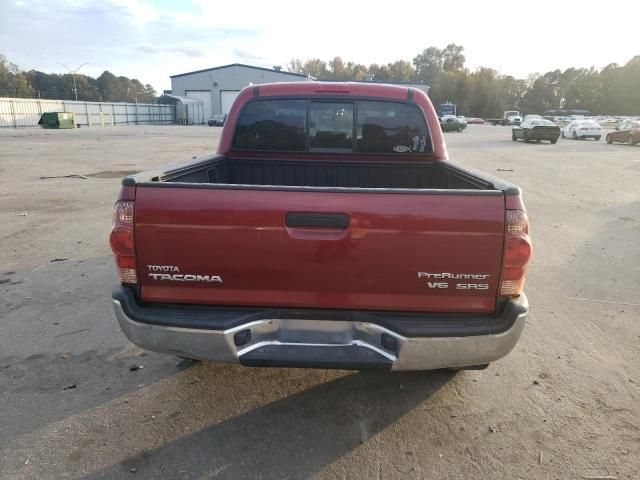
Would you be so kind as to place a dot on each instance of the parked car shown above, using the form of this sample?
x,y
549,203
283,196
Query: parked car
x,y
532,116
610,122
451,123
627,132
268,253
475,121
218,120
580,129
536,130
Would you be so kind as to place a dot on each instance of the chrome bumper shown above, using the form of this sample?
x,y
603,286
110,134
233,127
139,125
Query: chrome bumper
x,y
321,343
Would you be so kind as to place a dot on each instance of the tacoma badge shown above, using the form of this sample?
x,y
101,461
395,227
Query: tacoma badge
x,y
180,277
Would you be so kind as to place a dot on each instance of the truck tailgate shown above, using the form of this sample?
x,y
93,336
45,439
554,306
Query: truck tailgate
x,y
431,252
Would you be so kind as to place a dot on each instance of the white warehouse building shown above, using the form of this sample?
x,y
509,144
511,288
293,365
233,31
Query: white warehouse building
x,y
218,87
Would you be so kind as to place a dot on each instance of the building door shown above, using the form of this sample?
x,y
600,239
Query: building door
x,y
205,96
227,97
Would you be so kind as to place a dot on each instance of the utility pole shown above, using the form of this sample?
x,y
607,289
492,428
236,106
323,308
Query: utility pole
x,y
73,74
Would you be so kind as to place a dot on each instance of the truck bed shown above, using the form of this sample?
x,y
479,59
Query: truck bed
x,y
346,234
373,174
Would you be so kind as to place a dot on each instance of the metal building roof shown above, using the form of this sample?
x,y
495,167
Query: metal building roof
x,y
240,65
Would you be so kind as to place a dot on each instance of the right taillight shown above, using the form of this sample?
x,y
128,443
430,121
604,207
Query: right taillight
x,y
122,241
516,254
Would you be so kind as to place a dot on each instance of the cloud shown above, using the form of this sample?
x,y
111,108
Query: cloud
x,y
192,52
185,50
245,56
146,48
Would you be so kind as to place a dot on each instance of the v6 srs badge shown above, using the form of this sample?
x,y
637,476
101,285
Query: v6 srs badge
x,y
437,280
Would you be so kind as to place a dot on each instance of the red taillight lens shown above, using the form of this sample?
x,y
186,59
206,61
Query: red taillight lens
x,y
517,253
122,242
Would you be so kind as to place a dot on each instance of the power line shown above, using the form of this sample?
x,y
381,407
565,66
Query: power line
x,y
73,74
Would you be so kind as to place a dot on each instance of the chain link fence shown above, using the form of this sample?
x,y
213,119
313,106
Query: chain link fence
x,y
26,112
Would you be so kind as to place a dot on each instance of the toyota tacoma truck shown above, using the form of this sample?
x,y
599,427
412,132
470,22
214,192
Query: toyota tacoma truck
x,y
329,230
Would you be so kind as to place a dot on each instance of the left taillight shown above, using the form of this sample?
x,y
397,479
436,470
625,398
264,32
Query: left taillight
x,y
122,241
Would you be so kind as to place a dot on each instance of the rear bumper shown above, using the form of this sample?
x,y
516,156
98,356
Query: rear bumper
x,y
320,338
544,136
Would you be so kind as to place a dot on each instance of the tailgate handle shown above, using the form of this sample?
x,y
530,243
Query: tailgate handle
x,y
317,220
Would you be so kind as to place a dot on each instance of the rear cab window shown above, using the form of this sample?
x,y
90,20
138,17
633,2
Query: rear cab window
x,y
272,125
332,126
386,127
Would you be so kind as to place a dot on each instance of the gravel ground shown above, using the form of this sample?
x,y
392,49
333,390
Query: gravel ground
x,y
78,401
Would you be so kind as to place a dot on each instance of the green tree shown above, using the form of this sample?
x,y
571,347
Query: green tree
x,y
295,65
401,71
608,85
428,64
454,87
87,88
380,72
544,94
149,93
316,68
338,70
512,92
484,92
626,95
452,58
13,82
357,70
611,90
487,93
109,87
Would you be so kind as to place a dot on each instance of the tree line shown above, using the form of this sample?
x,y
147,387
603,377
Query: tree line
x,y
484,92
106,88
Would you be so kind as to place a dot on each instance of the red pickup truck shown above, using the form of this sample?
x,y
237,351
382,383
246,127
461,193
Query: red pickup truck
x,y
329,230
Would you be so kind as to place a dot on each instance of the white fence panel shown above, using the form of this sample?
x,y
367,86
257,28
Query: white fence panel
x,y
26,112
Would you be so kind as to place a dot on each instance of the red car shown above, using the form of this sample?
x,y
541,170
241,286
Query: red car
x,y
475,121
627,132
329,230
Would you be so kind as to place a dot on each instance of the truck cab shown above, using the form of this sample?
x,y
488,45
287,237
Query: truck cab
x,y
511,117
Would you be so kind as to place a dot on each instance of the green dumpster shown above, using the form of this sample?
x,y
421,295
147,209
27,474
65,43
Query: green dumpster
x,y
57,120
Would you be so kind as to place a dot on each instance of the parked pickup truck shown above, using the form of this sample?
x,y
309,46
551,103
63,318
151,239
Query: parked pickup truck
x,y
329,230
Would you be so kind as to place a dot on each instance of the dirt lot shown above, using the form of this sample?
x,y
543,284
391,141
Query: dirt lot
x,y
564,404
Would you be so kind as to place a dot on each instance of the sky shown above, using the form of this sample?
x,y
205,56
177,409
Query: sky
x,y
153,39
